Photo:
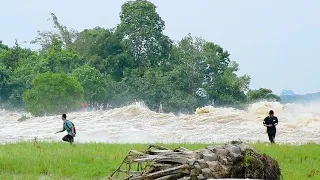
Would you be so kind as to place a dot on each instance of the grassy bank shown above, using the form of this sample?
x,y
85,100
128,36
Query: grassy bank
x,y
97,161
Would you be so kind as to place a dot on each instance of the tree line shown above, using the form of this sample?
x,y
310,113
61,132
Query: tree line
x,y
134,61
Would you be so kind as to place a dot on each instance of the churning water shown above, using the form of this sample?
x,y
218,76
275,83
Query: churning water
x,y
137,124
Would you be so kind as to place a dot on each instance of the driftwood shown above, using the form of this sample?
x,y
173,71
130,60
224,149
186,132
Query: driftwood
x,y
231,160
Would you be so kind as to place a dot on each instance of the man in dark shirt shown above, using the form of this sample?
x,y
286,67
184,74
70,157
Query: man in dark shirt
x,y
271,122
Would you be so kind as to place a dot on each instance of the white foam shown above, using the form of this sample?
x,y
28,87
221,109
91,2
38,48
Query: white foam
x,y
137,124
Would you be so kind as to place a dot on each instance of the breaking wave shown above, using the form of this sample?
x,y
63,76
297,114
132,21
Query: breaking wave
x,y
298,123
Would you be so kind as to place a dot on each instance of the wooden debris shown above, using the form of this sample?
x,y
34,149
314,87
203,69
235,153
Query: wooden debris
x,y
231,160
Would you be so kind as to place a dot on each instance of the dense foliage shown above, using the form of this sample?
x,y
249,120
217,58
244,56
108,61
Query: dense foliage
x,y
134,61
262,93
53,93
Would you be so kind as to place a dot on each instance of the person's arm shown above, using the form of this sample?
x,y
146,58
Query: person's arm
x,y
265,124
276,121
61,130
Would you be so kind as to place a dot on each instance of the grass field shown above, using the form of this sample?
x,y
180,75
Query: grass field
x,y
98,161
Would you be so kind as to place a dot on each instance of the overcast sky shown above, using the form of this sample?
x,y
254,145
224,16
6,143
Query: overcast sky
x,y
275,42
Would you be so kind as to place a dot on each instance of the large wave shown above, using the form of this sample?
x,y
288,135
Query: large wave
x,y
298,123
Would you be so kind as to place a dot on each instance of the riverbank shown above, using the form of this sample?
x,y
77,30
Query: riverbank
x,y
34,160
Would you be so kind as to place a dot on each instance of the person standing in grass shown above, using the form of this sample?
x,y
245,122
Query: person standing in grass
x,y
69,126
271,122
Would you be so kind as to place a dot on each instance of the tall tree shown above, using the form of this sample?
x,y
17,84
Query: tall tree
x,y
60,59
224,86
22,76
45,38
206,72
10,61
189,61
3,46
3,80
141,30
103,51
97,42
133,61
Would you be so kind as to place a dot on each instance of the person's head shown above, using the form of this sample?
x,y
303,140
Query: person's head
x,y
64,117
271,113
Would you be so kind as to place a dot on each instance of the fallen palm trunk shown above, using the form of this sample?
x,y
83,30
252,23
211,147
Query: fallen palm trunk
x,y
232,160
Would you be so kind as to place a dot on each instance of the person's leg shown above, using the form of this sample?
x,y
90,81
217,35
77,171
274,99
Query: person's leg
x,y
274,137
71,139
269,136
65,138
68,138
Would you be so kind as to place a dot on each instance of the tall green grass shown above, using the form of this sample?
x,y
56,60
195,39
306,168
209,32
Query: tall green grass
x,y
296,162
97,161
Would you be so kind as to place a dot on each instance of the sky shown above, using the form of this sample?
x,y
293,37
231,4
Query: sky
x,y
275,42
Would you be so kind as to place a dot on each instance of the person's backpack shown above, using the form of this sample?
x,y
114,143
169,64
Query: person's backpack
x,y
74,128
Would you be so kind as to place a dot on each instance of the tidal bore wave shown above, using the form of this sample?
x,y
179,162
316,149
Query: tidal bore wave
x,y
298,123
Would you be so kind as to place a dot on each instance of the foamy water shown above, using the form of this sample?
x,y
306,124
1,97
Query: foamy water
x,y
137,124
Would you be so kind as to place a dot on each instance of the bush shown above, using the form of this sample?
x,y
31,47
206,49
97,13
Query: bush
x,y
92,82
53,93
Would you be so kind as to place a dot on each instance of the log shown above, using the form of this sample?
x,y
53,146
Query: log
x,y
203,163
230,160
173,160
210,157
161,165
157,152
178,169
157,147
182,149
171,177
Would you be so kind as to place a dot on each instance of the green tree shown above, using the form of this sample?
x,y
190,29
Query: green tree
x,y
93,83
156,87
206,67
227,88
46,38
141,30
162,88
98,42
189,59
10,61
22,76
59,59
134,61
262,94
3,46
3,80
10,57
53,93
103,51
